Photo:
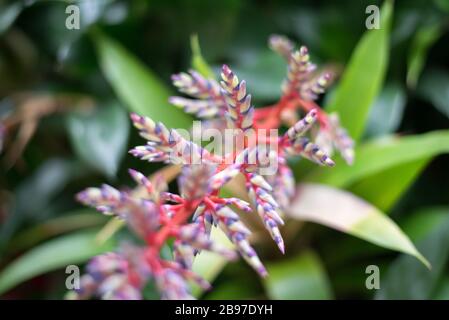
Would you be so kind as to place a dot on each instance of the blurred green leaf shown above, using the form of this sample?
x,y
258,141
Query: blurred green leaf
x,y
424,38
386,113
209,264
8,14
362,79
393,182
423,221
100,139
139,89
299,278
345,212
52,255
442,292
77,219
407,279
263,75
442,5
382,154
434,87
34,195
198,62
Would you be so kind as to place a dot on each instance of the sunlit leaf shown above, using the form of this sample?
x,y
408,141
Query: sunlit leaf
x,y
434,86
408,279
345,212
363,77
299,278
100,139
52,255
139,88
424,38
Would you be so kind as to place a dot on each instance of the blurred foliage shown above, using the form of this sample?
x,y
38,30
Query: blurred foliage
x,y
65,95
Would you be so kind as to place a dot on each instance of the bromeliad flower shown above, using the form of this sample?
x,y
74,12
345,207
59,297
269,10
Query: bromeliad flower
x,y
157,215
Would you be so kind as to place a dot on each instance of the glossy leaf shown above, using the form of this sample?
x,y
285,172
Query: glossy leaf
x,y
407,279
363,77
434,86
138,88
300,278
345,212
100,139
52,255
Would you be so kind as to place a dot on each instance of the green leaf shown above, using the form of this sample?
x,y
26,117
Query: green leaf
x,y
434,87
8,14
139,88
407,279
442,292
209,264
362,79
423,221
386,113
198,62
100,139
299,278
52,255
424,38
345,212
382,154
393,182
78,219
263,75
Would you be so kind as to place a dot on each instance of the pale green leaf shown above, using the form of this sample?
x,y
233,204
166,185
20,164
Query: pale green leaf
x,y
52,255
363,77
345,212
299,278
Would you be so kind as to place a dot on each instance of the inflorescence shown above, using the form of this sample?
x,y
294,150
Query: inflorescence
x,y
158,216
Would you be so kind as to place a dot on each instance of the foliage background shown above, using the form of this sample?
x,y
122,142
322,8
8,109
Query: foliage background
x,y
75,87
